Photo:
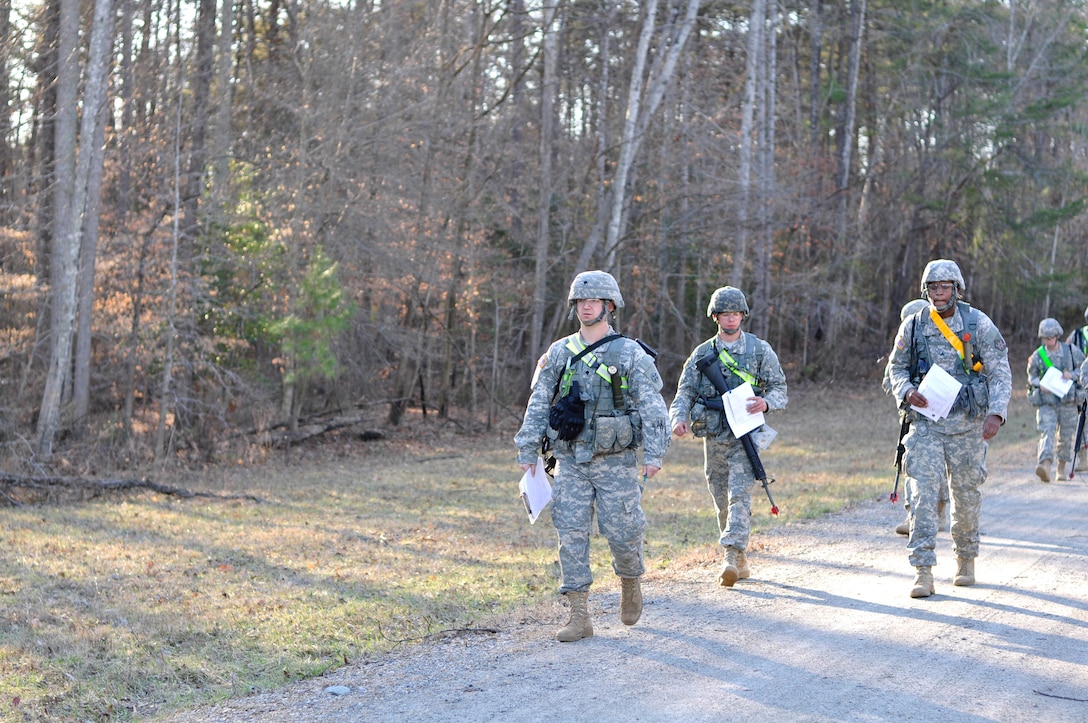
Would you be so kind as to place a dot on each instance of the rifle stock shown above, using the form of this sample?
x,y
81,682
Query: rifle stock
x,y
709,368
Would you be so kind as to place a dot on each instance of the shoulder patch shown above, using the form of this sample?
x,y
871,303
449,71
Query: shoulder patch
x,y
1000,344
900,343
646,364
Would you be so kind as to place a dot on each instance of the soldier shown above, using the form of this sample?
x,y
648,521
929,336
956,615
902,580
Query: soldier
x,y
1055,417
965,343
609,403
729,475
911,308
1079,336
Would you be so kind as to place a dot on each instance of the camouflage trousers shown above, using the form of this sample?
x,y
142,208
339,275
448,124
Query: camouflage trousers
x,y
730,479
609,483
1057,425
934,458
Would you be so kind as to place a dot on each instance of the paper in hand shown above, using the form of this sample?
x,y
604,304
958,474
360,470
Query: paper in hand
x,y
940,390
536,490
1054,383
736,410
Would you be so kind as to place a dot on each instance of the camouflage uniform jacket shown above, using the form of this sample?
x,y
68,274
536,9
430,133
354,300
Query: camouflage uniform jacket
x,y
989,346
641,395
1067,358
694,388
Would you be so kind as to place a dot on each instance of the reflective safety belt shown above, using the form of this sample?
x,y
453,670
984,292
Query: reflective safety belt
x,y
575,346
954,340
1044,357
731,364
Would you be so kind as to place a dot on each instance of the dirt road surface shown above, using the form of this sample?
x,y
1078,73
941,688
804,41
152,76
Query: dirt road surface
x,y
824,630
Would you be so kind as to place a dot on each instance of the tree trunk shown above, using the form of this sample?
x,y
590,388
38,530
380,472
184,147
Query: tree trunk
x,y
744,180
543,230
67,239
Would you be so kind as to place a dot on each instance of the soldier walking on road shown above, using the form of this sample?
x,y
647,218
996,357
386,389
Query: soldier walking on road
x,y
967,345
729,475
597,397
1055,417
903,528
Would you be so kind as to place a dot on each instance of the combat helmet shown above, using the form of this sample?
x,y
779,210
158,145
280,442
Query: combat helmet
x,y
943,270
1050,327
727,298
911,308
595,285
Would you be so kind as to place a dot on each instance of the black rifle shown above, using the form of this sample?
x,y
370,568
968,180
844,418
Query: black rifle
x,y
899,450
1080,439
710,369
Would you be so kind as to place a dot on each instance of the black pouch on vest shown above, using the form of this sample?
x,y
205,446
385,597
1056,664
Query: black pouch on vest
x,y
567,415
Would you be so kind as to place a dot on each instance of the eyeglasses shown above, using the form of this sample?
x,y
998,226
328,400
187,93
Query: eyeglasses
x,y
940,286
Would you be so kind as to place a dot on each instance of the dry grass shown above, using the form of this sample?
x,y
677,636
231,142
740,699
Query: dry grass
x,y
123,607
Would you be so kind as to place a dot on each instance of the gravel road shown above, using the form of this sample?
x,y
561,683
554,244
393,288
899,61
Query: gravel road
x,y
824,630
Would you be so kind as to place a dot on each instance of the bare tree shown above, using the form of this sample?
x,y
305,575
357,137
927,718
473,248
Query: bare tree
x,y
67,236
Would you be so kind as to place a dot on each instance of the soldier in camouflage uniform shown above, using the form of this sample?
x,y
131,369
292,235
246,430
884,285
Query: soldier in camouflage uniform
x,y
903,528
729,475
620,388
1055,417
965,343
1079,336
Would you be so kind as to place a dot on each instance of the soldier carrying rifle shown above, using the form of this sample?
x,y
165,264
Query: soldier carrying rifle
x,y
730,475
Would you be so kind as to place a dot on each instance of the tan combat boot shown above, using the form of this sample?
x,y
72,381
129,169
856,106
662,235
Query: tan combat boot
x,y
631,600
579,626
1042,470
743,571
923,583
1061,469
730,572
965,572
903,528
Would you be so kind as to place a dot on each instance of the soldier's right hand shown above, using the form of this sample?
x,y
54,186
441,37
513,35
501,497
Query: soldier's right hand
x,y
680,429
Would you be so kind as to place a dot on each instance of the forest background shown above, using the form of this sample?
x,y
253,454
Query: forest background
x,y
219,221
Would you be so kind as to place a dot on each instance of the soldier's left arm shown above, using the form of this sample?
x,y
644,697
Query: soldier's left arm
x,y
645,385
995,358
775,393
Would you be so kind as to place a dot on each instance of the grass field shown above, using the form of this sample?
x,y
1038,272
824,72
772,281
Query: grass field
x,y
134,604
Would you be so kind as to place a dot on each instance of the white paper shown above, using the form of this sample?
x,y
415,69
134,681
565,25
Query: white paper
x,y
536,490
1053,382
735,402
940,390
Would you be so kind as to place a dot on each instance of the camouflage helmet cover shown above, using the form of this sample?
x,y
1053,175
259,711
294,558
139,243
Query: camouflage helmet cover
x,y
1050,327
943,270
727,298
911,308
595,285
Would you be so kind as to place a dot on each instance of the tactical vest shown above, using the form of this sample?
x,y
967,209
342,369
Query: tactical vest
x,y
707,412
750,360
608,428
974,396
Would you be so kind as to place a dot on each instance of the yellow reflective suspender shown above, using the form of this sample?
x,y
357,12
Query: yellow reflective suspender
x,y
575,345
954,340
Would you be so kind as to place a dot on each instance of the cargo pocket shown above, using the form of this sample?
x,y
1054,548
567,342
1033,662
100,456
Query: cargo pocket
x,y
613,434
